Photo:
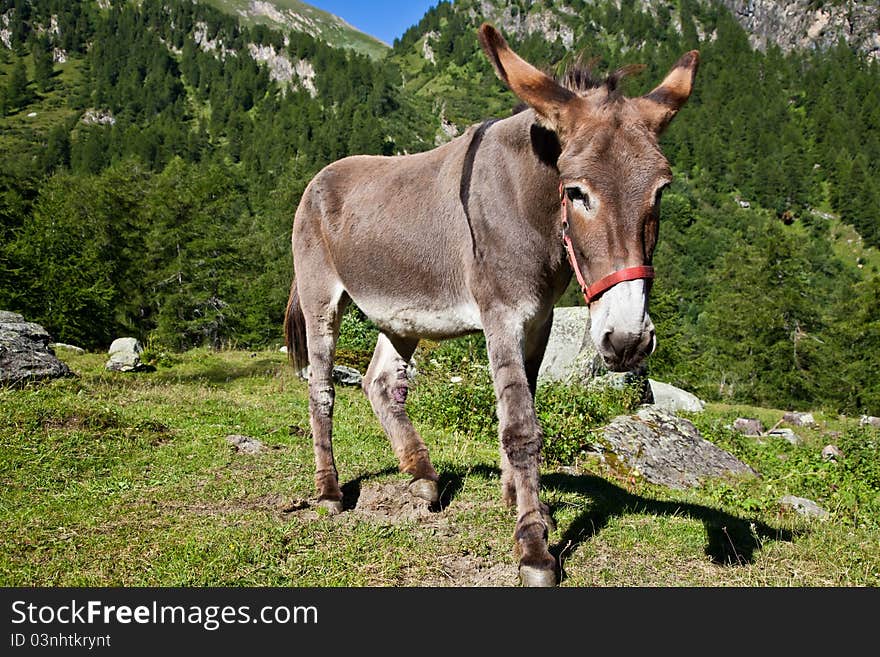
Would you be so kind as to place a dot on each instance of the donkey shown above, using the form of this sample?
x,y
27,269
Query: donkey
x,y
483,233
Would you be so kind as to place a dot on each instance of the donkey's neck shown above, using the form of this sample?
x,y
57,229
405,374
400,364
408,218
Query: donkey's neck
x,y
528,156
514,206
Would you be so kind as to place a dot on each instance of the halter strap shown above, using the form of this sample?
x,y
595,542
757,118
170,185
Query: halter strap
x,y
597,289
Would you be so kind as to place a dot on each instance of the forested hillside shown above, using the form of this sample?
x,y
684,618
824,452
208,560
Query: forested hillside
x,y
152,154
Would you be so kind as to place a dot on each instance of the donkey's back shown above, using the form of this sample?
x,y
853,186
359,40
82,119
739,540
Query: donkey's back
x,y
389,234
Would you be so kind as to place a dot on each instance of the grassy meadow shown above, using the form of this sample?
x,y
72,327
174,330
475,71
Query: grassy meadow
x,y
111,479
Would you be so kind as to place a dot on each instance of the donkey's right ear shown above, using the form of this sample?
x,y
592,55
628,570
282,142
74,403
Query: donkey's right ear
x,y
538,90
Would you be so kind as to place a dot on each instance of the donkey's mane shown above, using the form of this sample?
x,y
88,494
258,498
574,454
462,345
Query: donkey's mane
x,y
581,79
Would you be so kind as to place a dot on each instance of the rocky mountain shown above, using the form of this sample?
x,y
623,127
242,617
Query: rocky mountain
x,y
792,24
284,15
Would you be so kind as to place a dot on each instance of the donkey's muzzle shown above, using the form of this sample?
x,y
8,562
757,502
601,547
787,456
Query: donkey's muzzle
x,y
624,350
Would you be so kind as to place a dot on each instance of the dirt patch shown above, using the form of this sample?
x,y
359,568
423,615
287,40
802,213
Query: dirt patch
x,y
391,503
463,570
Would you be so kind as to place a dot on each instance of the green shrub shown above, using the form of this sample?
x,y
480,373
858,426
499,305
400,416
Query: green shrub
x,y
464,406
571,415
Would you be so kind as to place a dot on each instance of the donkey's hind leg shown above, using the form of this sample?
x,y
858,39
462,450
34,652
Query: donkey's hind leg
x,y
322,331
386,386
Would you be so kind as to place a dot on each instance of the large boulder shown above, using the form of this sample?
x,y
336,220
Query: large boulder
x,y
666,450
125,355
571,356
25,351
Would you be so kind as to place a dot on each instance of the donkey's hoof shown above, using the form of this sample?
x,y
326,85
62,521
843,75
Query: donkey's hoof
x,y
332,507
425,489
532,577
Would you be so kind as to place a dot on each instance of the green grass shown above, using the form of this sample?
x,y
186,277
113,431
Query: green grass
x,y
126,479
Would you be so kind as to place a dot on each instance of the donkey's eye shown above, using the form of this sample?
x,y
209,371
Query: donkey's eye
x,y
578,196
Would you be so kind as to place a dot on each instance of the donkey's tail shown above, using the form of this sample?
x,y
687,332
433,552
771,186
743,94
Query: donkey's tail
x,y
295,331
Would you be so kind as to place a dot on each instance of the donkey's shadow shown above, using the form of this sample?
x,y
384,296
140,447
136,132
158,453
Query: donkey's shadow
x,y
730,540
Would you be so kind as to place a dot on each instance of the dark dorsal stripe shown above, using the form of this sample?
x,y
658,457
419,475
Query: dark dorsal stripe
x,y
467,171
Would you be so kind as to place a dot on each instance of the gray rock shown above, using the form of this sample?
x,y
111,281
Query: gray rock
x,y
673,399
803,506
831,453
799,419
786,434
344,376
869,421
570,355
245,444
25,352
125,355
748,426
667,450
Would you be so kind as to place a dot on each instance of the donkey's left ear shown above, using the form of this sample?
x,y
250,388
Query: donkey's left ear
x,y
662,104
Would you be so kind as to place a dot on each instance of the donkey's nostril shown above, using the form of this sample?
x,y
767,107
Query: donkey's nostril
x,y
606,343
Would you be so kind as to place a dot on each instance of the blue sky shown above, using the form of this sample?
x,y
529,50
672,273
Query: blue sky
x,y
383,19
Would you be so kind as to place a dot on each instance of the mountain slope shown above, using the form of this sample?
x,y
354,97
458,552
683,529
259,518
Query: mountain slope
x,y
284,15
804,24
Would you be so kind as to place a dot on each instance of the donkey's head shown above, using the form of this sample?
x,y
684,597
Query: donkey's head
x,y
612,173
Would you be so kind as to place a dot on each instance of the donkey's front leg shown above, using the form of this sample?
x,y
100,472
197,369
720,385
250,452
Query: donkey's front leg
x,y
521,442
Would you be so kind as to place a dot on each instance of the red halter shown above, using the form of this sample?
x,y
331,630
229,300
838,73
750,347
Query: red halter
x,y
597,289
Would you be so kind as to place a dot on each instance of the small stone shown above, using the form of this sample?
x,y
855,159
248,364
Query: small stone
x,y
125,355
245,444
346,376
748,426
786,434
799,419
455,379
804,506
70,347
869,421
674,399
831,453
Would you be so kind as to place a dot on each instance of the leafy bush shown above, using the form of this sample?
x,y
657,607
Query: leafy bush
x,y
463,403
456,392
849,488
570,416
357,332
